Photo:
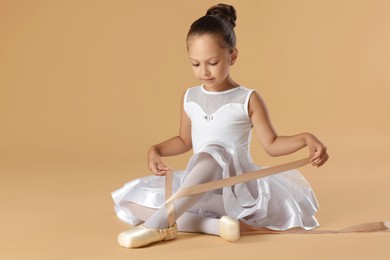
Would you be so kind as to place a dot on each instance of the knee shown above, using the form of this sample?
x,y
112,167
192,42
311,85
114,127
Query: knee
x,y
205,156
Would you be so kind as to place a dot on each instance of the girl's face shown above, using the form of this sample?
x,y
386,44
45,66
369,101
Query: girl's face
x,y
211,62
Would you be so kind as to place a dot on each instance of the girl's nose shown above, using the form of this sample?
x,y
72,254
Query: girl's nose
x,y
205,71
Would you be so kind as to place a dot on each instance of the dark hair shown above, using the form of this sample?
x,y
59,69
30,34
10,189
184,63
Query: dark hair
x,y
219,21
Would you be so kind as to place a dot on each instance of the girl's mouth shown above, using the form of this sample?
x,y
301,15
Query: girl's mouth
x,y
208,80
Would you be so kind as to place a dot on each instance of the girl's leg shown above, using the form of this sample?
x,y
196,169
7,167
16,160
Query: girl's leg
x,y
190,222
206,169
156,227
141,212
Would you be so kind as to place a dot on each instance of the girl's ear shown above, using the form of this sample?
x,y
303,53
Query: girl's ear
x,y
233,56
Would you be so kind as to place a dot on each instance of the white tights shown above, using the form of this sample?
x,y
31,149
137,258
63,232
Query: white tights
x,y
206,169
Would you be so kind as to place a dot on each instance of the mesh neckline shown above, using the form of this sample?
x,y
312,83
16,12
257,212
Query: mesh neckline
x,y
212,101
219,92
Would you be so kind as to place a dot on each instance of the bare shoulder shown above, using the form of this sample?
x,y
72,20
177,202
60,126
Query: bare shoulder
x,y
256,104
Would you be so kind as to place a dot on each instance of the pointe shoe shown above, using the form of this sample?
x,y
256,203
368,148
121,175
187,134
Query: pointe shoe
x,y
140,236
229,228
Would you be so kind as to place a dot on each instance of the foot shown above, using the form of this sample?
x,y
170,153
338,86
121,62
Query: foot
x,y
140,236
229,228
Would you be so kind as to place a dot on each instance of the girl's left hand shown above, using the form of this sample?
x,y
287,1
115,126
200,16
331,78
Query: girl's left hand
x,y
318,153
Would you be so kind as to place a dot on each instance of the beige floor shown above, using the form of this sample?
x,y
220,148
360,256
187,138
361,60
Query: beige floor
x,y
63,210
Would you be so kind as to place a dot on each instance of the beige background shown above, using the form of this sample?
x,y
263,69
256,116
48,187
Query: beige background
x,y
87,86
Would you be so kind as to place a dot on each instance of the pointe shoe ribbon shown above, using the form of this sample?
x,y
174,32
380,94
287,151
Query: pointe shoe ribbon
x,y
208,186
218,184
140,236
168,193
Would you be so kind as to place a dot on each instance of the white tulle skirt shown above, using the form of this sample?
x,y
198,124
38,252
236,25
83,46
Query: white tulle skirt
x,y
279,202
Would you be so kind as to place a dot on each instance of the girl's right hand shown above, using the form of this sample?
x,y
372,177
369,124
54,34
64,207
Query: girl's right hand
x,y
155,163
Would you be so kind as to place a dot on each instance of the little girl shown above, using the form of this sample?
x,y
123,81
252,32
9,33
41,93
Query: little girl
x,y
217,118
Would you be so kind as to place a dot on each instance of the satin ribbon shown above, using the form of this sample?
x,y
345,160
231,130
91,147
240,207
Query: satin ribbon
x,y
169,204
208,186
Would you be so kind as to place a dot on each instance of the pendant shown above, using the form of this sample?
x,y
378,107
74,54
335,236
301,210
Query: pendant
x,y
208,118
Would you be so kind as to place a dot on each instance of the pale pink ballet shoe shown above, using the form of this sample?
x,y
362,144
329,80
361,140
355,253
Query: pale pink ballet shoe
x,y
140,236
229,228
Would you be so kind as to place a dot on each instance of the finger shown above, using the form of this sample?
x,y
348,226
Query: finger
x,y
313,154
315,162
161,173
157,169
324,160
162,166
320,161
153,168
322,151
167,168
314,157
319,153
160,170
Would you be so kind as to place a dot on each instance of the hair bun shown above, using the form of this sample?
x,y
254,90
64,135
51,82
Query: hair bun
x,y
224,11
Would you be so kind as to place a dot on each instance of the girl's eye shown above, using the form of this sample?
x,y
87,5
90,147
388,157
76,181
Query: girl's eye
x,y
195,65
213,63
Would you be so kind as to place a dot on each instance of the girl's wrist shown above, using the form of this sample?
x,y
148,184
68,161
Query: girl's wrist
x,y
153,150
307,137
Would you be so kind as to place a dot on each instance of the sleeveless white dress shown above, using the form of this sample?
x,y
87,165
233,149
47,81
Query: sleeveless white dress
x,y
221,127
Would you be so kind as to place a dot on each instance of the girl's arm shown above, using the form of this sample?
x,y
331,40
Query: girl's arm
x,y
174,146
276,145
